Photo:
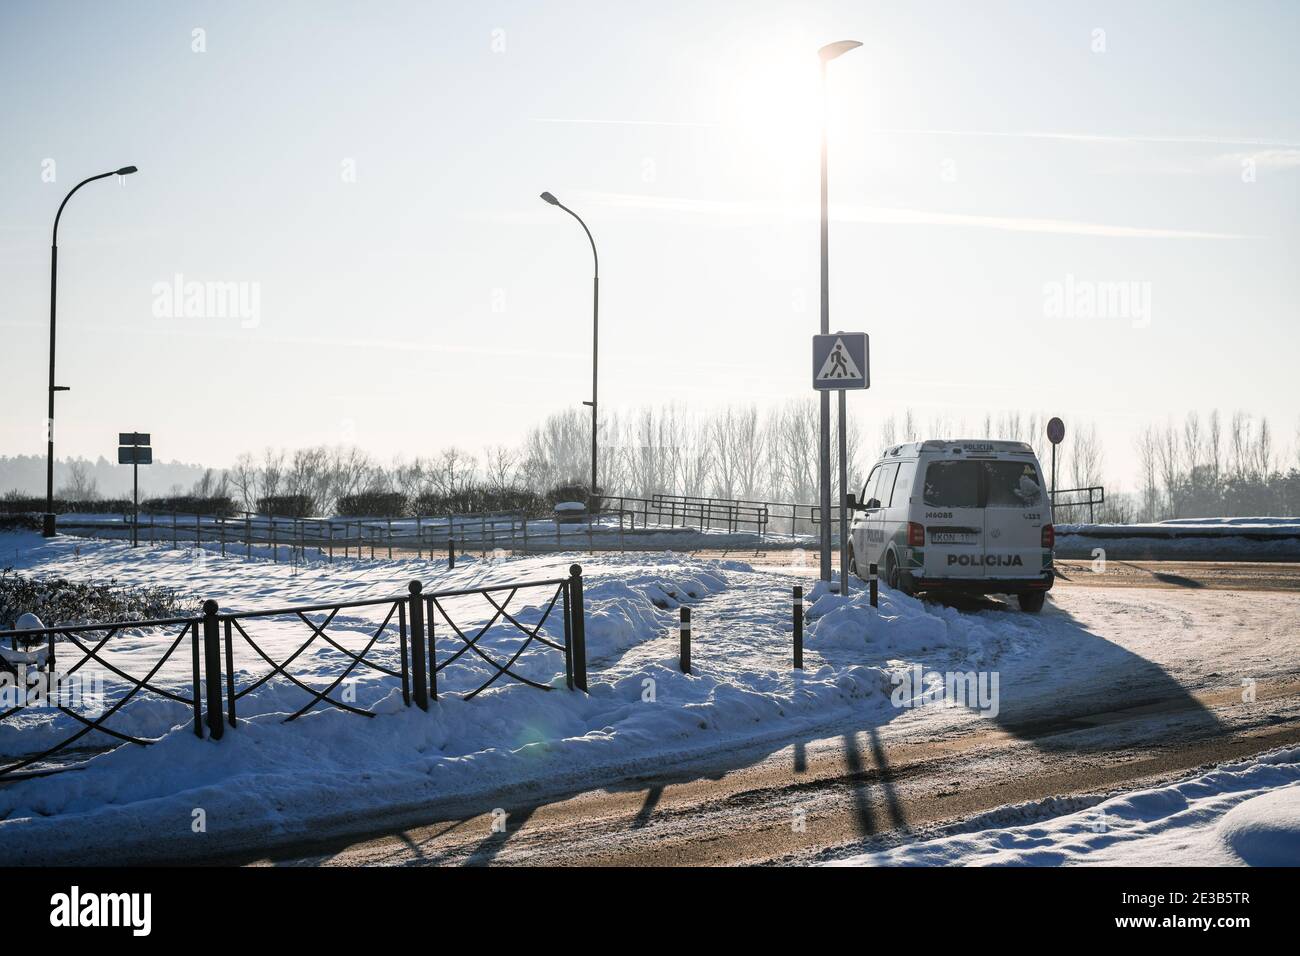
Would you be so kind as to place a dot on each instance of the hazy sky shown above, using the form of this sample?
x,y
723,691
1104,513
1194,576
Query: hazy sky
x,y
370,172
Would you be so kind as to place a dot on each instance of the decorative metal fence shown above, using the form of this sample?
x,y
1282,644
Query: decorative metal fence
x,y
214,696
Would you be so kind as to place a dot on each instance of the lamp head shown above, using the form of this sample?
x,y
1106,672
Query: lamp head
x,y
126,171
831,50
550,199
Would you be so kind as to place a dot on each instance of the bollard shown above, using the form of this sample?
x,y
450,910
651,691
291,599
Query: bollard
x,y
684,656
871,579
579,627
451,554
798,627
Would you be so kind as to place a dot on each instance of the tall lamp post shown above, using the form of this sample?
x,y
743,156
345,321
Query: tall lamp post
x,y
595,335
826,54
48,526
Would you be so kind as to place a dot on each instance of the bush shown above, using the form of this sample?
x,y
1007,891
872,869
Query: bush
x,y
57,601
222,506
287,506
570,491
479,498
372,504
22,522
13,504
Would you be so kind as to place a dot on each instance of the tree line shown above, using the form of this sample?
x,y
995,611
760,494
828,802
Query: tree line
x,y
1195,468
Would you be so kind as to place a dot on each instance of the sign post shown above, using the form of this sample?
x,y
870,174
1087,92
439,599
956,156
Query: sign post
x,y
1055,434
134,450
840,361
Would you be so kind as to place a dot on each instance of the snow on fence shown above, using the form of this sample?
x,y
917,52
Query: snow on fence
x,y
213,689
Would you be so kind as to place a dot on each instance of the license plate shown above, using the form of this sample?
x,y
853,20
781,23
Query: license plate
x,y
952,537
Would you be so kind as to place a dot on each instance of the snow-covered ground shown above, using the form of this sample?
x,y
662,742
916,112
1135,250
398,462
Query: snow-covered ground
x,y
274,780
1241,539
1238,814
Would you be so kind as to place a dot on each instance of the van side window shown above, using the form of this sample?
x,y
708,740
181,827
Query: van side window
x,y
902,484
886,484
869,485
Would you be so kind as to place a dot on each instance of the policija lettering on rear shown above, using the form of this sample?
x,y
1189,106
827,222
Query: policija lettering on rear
x,y
76,909
986,560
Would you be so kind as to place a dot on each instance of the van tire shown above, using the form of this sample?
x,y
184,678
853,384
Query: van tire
x,y
893,578
1032,601
853,563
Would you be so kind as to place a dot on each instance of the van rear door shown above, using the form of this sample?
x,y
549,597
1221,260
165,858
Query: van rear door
x,y
953,519
1016,510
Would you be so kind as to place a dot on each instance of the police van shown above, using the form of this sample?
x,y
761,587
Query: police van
x,y
970,516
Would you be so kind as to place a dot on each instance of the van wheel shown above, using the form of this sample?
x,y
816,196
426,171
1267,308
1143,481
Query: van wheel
x,y
853,563
1032,601
893,577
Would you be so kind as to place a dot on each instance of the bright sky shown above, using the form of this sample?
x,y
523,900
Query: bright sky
x,y
371,172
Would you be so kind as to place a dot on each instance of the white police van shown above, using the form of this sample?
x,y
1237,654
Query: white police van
x,y
971,516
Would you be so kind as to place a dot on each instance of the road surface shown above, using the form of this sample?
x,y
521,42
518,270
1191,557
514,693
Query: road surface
x,y
849,788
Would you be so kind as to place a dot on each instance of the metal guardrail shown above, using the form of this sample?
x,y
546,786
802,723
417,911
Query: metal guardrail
x,y
213,696
1096,496
621,521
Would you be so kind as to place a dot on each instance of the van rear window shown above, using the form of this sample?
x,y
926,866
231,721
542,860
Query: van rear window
x,y
952,484
979,484
1012,484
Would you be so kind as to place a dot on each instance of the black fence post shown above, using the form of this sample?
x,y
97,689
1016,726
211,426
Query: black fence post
x,y
433,651
874,584
684,657
212,668
401,636
451,554
416,617
798,627
568,637
579,626
198,694
230,675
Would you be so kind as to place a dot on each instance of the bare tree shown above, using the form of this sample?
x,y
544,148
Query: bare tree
x,y
80,484
501,463
1147,451
244,477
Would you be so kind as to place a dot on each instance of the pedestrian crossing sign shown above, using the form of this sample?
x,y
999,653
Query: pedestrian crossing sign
x,y
841,361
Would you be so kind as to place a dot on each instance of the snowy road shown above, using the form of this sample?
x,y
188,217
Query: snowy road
x,y
841,790
1149,703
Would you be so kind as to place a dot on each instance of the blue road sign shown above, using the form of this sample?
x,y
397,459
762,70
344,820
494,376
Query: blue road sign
x,y
841,360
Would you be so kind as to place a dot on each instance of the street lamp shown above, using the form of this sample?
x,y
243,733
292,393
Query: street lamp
x,y
827,53
595,335
48,528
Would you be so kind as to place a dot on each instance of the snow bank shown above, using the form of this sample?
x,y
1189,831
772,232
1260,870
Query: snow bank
x,y
1265,830
1242,539
269,780
1237,814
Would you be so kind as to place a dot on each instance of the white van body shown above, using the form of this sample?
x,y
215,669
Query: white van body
x,y
957,515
